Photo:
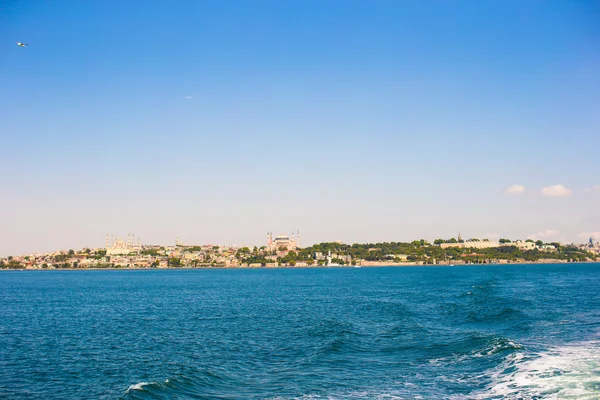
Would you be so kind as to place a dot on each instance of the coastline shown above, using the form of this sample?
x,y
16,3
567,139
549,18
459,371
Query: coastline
x,y
398,265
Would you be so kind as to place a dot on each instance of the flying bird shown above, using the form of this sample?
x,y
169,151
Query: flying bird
x,y
21,44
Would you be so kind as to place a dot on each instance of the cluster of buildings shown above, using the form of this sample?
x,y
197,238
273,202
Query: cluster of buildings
x,y
130,253
593,246
486,244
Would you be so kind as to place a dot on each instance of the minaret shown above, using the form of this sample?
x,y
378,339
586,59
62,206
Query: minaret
x,y
106,241
298,238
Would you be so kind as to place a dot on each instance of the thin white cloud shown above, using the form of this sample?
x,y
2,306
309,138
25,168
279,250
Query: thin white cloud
x,y
515,189
188,97
593,189
556,191
547,234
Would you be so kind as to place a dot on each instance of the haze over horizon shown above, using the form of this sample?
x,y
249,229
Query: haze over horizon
x,y
218,121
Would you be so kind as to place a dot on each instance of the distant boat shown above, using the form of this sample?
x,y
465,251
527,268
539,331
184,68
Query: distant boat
x,y
357,266
452,265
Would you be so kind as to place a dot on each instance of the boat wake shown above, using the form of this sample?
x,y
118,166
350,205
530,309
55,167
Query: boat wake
x,y
571,371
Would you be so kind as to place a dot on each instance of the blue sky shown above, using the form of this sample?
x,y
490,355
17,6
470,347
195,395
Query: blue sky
x,y
216,121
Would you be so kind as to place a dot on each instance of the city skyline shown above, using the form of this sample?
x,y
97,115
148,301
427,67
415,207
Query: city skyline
x,y
131,241
216,121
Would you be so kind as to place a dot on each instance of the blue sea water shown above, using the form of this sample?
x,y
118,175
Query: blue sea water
x,y
513,331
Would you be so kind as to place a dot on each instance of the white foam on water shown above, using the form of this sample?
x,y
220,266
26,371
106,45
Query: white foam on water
x,y
360,395
565,372
139,386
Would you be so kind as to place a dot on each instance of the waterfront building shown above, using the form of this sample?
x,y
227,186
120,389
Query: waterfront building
x,y
471,244
524,245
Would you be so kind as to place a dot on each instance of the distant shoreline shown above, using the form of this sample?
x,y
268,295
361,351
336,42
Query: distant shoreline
x,y
308,267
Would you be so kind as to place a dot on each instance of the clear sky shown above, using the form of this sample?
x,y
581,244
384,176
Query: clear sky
x,y
361,121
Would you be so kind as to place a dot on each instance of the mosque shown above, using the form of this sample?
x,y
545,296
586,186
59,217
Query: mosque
x,y
283,241
118,246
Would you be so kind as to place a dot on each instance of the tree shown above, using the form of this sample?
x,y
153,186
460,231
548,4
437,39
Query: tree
x,y
174,262
439,241
502,241
539,243
71,252
14,264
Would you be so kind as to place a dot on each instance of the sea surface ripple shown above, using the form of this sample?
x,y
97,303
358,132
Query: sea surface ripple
x,y
487,332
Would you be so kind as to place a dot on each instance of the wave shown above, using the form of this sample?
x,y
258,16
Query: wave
x,y
478,347
139,386
571,371
166,389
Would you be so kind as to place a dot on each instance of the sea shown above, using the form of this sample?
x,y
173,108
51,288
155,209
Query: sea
x,y
465,332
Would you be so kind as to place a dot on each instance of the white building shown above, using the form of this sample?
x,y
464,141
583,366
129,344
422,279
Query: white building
x,y
118,246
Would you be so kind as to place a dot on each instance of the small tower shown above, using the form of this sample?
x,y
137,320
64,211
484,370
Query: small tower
x,y
298,239
459,238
